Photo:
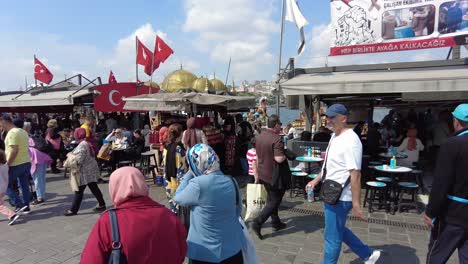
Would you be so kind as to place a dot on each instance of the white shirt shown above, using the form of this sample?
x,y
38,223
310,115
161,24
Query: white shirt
x,y
343,154
413,155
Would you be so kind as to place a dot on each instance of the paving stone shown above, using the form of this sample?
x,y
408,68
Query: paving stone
x,y
46,236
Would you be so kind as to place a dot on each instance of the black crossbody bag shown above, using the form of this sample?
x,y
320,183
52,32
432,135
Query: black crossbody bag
x,y
331,190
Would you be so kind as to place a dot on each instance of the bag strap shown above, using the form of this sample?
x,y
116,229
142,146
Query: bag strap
x,y
324,174
325,166
237,191
116,245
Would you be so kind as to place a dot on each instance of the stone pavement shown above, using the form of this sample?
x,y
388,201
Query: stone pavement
x,y
46,236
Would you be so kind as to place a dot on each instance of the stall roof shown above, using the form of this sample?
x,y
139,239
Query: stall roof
x,y
447,79
181,101
43,98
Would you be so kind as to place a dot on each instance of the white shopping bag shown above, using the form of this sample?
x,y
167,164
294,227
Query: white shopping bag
x,y
256,200
249,253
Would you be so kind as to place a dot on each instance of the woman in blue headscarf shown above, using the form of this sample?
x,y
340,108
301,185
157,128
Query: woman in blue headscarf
x,y
215,234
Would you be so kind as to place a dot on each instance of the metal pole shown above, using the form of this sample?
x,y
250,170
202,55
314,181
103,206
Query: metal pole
x,y
35,80
136,64
227,75
136,52
152,65
279,59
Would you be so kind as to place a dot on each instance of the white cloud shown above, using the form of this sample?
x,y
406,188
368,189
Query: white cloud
x,y
241,29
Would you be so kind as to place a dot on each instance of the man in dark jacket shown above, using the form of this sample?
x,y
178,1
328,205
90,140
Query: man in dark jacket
x,y
447,211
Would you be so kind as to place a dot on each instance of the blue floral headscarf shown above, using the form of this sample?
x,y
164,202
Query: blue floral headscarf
x,y
202,160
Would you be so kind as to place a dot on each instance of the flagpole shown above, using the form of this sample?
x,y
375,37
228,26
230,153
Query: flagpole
x,y
279,59
229,68
136,64
35,80
152,65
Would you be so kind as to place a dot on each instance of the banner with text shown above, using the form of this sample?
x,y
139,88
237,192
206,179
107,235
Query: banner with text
x,y
369,26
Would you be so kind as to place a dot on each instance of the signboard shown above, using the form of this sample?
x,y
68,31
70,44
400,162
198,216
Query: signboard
x,y
370,26
110,96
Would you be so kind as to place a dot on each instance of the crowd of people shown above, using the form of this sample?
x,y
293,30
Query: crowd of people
x,y
29,148
203,220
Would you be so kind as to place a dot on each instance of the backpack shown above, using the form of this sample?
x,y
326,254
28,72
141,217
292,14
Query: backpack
x,y
41,144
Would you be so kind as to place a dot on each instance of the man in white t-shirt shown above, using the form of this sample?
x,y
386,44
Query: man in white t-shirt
x,y
343,161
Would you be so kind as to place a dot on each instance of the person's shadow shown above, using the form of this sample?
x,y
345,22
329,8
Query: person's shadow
x,y
391,254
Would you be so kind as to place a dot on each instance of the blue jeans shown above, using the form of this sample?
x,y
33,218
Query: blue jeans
x,y
336,232
39,180
20,174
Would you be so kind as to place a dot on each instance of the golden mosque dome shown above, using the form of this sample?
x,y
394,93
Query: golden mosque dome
x,y
202,85
178,80
152,85
218,85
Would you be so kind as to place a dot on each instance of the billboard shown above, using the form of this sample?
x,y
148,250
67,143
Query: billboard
x,y
370,26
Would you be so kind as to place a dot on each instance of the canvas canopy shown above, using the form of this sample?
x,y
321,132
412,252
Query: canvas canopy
x,y
423,81
183,101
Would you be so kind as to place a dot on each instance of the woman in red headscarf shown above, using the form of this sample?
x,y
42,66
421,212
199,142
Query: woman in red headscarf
x,y
84,172
149,232
193,135
411,145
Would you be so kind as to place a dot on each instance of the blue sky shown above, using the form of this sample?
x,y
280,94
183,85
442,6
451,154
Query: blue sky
x,y
93,37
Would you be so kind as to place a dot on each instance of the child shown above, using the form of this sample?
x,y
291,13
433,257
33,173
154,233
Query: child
x,y
252,160
12,216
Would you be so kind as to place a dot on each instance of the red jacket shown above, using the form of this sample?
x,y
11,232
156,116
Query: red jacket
x,y
149,233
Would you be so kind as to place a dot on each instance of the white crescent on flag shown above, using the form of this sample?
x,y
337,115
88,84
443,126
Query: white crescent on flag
x,y
35,68
111,99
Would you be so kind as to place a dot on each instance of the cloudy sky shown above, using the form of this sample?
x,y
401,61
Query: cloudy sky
x,y
94,37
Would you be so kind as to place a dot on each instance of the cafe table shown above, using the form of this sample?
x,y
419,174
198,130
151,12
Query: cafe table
x,y
394,173
399,155
309,160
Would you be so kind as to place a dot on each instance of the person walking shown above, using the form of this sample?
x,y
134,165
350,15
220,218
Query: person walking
x,y
88,173
149,232
12,216
55,141
193,135
342,165
447,210
215,233
270,150
19,163
175,164
39,163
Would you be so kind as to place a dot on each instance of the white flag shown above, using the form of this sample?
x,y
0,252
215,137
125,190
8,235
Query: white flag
x,y
294,15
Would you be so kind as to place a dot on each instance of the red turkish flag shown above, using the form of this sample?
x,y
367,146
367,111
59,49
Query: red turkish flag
x,y
41,73
112,79
161,50
109,98
144,55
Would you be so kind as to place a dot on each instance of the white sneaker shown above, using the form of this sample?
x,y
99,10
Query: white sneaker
x,y
373,257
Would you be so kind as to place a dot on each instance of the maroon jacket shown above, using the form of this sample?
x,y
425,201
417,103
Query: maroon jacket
x,y
149,233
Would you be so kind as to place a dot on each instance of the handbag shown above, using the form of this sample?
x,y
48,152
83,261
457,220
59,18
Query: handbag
x,y
331,190
116,256
256,200
105,152
249,253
